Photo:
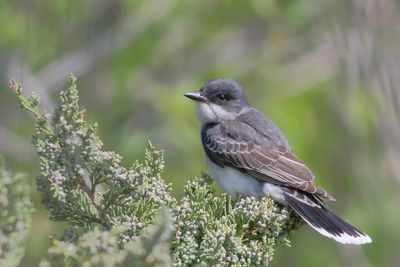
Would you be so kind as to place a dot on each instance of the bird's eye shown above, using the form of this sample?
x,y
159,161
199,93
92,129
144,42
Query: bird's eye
x,y
221,97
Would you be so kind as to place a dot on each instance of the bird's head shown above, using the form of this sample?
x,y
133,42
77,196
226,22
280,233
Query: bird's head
x,y
219,100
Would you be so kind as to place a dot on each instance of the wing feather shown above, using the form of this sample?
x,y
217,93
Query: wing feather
x,y
275,164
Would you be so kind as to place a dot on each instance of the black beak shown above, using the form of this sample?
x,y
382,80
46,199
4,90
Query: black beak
x,y
196,97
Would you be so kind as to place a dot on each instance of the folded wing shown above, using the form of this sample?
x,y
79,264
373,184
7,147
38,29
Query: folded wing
x,y
238,145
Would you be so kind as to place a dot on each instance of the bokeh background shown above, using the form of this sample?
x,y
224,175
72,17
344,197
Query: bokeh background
x,y
327,72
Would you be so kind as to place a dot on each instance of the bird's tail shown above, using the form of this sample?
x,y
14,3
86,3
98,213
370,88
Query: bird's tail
x,y
319,217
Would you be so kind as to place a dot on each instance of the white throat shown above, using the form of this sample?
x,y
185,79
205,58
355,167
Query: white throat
x,y
209,112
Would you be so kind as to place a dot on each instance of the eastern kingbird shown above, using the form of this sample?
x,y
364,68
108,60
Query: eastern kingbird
x,y
248,155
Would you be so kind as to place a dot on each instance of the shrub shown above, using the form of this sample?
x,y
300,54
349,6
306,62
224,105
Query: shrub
x,y
112,211
15,214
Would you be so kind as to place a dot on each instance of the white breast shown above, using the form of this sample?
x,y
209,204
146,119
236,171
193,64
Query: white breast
x,y
236,183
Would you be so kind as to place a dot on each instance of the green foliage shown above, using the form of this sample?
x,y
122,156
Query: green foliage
x,y
15,214
212,229
85,186
111,210
103,248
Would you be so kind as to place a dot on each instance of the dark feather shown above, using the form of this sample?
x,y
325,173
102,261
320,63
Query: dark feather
x,y
254,145
317,215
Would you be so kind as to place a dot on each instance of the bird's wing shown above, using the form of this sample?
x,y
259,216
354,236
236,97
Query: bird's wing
x,y
236,144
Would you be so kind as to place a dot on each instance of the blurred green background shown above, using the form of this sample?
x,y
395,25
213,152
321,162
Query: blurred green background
x,y
326,72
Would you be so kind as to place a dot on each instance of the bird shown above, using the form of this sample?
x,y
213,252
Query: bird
x,y
249,155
